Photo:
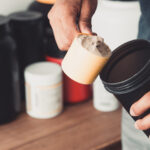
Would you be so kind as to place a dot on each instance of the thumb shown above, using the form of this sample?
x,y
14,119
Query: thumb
x,y
87,10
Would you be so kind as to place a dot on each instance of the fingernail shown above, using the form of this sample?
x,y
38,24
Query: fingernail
x,y
132,112
136,126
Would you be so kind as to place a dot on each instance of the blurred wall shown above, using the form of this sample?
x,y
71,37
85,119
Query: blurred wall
x,y
116,21
9,6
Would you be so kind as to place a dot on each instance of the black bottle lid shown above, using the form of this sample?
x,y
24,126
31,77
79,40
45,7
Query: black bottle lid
x,y
3,25
26,16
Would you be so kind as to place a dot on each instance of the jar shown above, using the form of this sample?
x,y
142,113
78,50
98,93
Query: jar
x,y
9,77
43,90
27,29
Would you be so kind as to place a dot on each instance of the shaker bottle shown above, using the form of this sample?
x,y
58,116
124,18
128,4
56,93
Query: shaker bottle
x,y
27,29
127,74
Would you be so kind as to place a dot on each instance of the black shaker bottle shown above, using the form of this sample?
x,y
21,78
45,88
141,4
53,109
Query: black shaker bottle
x,y
127,74
27,29
10,99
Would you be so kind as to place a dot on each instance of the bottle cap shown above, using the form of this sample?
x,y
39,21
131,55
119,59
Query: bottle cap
x,y
43,73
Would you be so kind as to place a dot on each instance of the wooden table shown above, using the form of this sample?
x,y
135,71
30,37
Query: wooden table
x,y
79,127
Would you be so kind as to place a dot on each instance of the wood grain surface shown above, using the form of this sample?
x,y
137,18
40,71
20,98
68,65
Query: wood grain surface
x,y
79,127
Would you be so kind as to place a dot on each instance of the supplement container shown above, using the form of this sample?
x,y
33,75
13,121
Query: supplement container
x,y
102,99
43,90
127,74
27,29
10,99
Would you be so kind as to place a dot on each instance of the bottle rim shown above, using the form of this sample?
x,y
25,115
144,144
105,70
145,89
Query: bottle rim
x,y
134,82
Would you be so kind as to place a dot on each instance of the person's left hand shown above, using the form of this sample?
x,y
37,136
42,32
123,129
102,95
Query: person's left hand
x,y
139,108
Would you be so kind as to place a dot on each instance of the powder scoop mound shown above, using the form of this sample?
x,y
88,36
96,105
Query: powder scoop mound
x,y
94,44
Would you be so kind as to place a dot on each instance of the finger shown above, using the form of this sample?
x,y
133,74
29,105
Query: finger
x,y
64,27
87,10
141,105
69,28
143,124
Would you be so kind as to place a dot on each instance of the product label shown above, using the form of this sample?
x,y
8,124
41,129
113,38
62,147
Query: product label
x,y
28,97
45,101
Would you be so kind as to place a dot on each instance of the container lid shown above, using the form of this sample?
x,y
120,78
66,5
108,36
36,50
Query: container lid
x,y
3,25
128,67
43,73
24,16
46,1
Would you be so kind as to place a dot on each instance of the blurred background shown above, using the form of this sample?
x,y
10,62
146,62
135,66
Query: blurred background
x,y
32,81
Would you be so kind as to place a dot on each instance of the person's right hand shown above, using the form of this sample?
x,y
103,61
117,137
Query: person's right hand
x,y
69,17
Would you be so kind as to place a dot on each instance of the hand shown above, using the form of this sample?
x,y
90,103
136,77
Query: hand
x,y
139,108
63,19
